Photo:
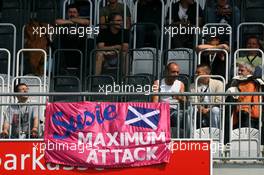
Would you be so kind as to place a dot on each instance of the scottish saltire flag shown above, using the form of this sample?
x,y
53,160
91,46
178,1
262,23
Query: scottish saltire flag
x,y
107,135
143,117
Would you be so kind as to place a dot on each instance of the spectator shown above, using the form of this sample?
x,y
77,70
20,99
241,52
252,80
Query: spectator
x,y
246,82
205,85
171,84
112,38
216,60
184,14
21,117
73,17
253,57
149,11
34,64
114,7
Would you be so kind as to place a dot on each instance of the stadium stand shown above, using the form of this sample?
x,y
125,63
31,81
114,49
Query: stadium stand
x,y
146,64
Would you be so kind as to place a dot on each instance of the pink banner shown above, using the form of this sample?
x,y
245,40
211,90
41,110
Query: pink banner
x,y
107,135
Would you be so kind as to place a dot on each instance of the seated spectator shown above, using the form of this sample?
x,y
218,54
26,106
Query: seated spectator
x,y
171,84
205,85
184,14
246,82
222,12
20,117
253,57
216,60
112,38
34,64
114,7
149,11
73,17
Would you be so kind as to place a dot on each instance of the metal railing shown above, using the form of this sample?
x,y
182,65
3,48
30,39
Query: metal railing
x,y
244,142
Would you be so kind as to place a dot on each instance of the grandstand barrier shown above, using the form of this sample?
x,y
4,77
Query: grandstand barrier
x,y
247,140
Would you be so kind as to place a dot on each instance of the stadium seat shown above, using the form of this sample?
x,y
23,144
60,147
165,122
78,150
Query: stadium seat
x,y
12,12
102,3
100,83
68,62
45,11
5,73
66,84
247,29
145,61
215,135
7,35
251,10
227,62
245,143
136,82
3,63
86,9
183,57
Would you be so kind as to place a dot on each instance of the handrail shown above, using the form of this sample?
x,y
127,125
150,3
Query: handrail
x,y
133,93
68,50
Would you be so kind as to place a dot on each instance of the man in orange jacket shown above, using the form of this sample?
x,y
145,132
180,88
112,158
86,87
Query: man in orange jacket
x,y
245,82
